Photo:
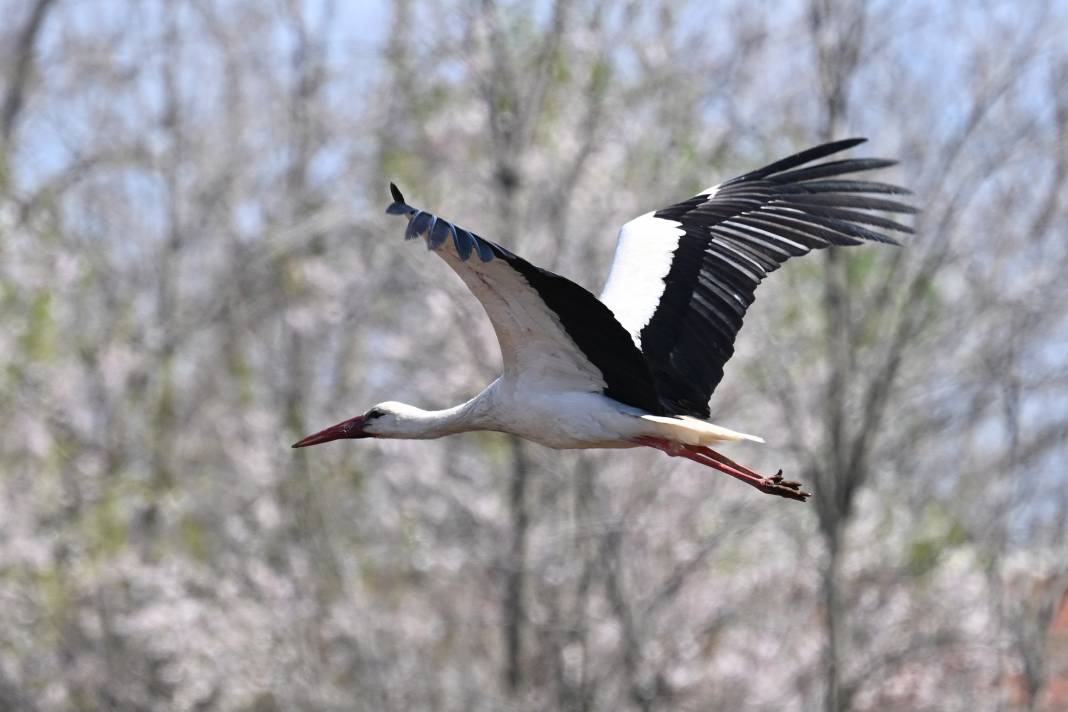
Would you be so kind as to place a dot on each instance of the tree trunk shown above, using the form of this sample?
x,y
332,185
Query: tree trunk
x,y
516,569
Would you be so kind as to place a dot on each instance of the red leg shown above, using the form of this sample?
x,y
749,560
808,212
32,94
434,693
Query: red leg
x,y
707,456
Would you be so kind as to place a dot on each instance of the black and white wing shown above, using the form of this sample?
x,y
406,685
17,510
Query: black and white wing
x,y
553,333
683,276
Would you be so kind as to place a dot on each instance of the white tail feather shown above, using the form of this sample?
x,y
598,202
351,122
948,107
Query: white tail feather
x,y
692,431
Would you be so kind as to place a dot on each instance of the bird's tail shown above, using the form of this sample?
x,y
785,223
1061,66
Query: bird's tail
x,y
692,431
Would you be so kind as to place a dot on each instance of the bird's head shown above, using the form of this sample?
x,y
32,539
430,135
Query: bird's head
x,y
385,420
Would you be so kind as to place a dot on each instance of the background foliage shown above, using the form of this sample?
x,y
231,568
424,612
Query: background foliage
x,y
195,271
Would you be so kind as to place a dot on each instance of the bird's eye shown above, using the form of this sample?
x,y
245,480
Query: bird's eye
x,y
372,414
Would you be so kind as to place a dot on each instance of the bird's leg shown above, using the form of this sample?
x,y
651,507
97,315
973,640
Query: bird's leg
x,y
707,456
774,484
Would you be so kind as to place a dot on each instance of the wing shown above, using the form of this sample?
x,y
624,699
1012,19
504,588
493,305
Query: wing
x,y
683,276
552,332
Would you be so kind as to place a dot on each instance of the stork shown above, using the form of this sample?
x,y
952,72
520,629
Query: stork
x,y
637,366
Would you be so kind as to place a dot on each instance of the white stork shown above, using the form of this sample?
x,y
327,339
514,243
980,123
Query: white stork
x,y
637,366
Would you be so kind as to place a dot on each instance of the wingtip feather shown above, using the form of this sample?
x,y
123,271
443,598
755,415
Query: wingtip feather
x,y
398,206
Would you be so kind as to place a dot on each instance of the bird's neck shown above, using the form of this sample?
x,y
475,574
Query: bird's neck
x,y
424,424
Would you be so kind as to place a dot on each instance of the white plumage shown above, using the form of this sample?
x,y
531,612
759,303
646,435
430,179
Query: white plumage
x,y
642,261
637,366
536,351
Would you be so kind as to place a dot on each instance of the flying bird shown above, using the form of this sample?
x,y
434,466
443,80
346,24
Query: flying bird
x,y
637,366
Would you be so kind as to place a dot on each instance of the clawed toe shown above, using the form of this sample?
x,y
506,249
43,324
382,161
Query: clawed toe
x,y
784,488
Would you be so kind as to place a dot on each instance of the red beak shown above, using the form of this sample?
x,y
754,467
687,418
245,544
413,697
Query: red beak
x,y
352,428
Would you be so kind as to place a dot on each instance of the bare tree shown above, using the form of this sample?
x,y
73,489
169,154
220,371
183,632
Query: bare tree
x,y
195,271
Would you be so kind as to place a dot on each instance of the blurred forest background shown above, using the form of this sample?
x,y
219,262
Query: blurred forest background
x,y
195,270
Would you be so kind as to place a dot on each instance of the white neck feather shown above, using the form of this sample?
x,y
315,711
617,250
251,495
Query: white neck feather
x,y
409,422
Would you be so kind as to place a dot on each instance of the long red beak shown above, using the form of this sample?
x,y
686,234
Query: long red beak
x,y
352,428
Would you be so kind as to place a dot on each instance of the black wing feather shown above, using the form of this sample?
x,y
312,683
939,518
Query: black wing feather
x,y
732,239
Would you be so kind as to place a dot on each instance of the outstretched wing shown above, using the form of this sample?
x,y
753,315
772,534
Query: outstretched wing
x,y
553,333
683,276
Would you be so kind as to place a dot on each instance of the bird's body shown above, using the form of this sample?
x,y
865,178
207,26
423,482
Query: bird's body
x,y
576,419
561,419
637,366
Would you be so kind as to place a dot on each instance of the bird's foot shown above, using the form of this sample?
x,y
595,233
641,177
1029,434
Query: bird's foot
x,y
777,485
